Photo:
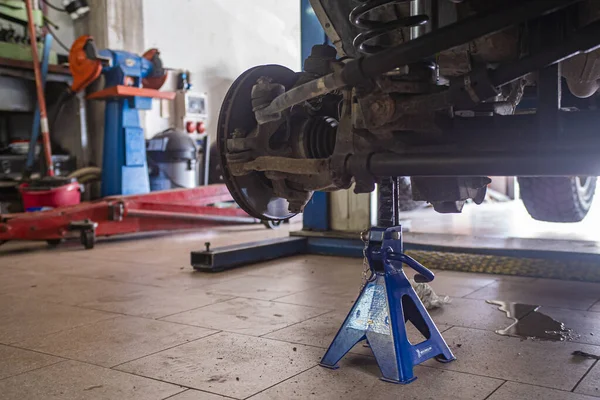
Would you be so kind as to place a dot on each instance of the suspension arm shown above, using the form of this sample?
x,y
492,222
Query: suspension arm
x,y
360,70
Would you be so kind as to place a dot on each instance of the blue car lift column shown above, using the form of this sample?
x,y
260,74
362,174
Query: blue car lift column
x,y
316,213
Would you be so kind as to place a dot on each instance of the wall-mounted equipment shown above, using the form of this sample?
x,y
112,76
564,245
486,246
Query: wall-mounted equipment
x,y
14,40
191,112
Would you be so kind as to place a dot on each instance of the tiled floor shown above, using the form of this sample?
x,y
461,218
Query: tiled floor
x,y
130,320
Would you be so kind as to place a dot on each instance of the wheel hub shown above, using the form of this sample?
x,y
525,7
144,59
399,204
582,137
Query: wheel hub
x,y
252,192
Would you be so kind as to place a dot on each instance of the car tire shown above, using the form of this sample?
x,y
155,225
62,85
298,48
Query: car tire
x,y
558,199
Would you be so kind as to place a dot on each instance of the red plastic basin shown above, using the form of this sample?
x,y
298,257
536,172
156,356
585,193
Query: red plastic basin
x,y
60,196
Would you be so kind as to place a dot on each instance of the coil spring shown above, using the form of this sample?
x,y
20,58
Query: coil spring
x,y
375,29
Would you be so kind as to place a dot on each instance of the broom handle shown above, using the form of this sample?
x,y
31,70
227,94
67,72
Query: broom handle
x,y
40,91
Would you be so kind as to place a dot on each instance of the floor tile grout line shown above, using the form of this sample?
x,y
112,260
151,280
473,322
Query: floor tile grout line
x,y
65,358
245,298
177,394
478,289
252,336
594,305
133,374
283,381
196,308
160,319
197,390
540,386
301,291
495,390
300,322
585,375
303,305
442,368
304,344
116,313
160,351
36,369
15,344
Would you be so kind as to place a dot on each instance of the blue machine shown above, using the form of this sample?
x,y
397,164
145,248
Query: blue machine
x,y
124,167
131,82
384,306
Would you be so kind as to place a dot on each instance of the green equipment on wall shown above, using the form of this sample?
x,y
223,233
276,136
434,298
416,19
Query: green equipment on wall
x,y
13,43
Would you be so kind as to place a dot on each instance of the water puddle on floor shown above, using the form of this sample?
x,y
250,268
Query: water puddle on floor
x,y
530,323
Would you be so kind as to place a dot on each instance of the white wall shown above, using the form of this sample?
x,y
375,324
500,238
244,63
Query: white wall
x,y
217,40
66,33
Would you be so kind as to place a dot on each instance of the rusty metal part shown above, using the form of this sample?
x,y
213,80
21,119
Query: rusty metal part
x,y
377,110
264,92
328,26
252,191
321,60
300,94
280,164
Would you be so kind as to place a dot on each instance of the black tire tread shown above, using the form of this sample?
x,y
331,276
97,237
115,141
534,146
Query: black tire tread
x,y
554,199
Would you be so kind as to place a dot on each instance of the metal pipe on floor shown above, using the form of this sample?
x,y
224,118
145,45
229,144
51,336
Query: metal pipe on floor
x,y
189,217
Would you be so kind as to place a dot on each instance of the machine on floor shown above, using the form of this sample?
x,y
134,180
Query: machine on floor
x,y
131,82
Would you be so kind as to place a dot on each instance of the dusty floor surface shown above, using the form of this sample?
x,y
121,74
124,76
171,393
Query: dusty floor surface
x,y
131,320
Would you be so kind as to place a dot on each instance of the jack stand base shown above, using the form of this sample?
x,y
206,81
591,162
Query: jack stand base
x,y
384,306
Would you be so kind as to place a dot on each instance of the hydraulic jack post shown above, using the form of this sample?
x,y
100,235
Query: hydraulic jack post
x,y
383,307
388,301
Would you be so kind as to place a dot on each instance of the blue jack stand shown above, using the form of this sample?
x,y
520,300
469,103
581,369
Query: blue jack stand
x,y
383,307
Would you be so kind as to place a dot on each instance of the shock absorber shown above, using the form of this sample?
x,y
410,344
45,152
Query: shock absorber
x,y
377,31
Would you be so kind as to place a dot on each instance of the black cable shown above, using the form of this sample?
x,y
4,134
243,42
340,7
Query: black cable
x,y
56,38
54,7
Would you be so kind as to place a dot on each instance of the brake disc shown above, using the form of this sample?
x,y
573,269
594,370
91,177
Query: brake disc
x,y
253,192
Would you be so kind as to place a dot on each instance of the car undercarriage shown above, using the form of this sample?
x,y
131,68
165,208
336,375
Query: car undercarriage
x,y
447,92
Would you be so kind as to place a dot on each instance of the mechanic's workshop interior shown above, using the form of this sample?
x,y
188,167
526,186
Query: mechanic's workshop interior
x,y
299,199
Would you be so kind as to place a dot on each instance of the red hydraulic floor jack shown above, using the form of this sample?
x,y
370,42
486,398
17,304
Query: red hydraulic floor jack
x,y
157,211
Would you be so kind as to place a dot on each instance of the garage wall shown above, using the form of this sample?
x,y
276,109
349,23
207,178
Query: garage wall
x,y
216,40
66,31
